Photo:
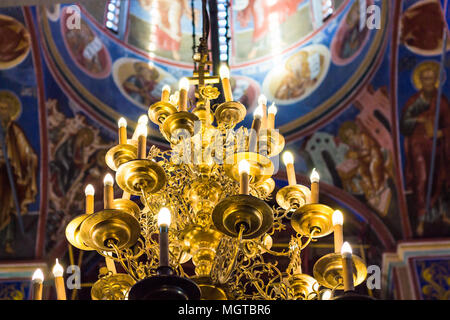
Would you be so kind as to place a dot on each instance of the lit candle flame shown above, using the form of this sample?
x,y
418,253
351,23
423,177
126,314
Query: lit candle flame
x,y
288,158
122,122
224,72
108,180
38,276
184,84
326,295
89,190
273,109
244,166
314,176
166,87
164,217
262,99
142,130
58,270
143,120
346,248
337,218
258,113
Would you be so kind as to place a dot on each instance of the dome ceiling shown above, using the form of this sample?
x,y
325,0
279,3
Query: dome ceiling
x,y
342,89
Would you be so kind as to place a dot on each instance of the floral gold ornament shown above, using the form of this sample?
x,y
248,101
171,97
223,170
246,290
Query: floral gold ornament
x,y
209,92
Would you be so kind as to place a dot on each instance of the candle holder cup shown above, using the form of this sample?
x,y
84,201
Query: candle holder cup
x,y
160,111
294,196
314,216
232,212
110,225
328,271
266,187
127,206
73,233
230,113
302,284
120,154
139,176
178,125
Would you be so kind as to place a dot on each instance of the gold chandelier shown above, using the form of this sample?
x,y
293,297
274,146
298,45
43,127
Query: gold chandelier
x,y
205,200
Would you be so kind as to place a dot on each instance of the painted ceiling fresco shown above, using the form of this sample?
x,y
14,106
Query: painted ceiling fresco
x,y
363,116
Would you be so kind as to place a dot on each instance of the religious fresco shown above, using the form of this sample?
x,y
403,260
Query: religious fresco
x,y
17,158
351,35
354,153
15,290
85,47
334,88
307,85
246,91
141,82
19,140
417,103
53,11
261,25
77,158
307,80
300,75
122,76
421,28
14,43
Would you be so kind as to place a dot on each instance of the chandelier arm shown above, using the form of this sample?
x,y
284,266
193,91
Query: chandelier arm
x,y
107,255
310,238
274,253
120,260
339,283
231,266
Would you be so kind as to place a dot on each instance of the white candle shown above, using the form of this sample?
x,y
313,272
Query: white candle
x,y
271,116
244,170
225,77
108,191
184,88
288,160
256,127
38,280
315,178
262,103
338,221
165,93
164,219
142,132
89,191
122,123
347,266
